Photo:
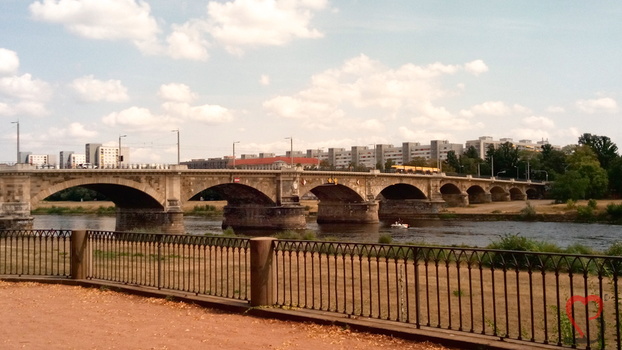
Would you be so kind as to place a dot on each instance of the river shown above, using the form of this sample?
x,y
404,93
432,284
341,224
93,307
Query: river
x,y
436,232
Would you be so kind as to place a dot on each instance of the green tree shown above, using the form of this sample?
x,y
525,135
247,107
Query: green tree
x,y
605,149
615,176
503,158
388,164
585,178
453,161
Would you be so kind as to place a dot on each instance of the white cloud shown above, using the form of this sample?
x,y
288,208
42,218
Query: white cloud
x,y
362,89
140,119
102,19
599,105
9,62
177,93
25,87
187,42
90,89
248,23
23,108
538,122
73,130
264,80
209,114
495,109
476,67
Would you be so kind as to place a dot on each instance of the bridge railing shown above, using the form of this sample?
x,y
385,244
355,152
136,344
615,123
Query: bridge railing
x,y
533,297
564,300
35,253
216,266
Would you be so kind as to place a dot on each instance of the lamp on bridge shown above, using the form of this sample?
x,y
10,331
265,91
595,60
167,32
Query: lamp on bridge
x,y
501,172
291,151
17,122
177,131
119,156
234,153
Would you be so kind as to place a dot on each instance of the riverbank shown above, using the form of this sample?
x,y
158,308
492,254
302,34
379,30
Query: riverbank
x,y
536,210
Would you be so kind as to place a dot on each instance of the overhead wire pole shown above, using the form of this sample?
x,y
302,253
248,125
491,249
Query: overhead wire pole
x,y
291,150
234,142
119,156
17,122
178,157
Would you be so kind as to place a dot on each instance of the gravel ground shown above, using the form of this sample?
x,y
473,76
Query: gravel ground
x,y
48,316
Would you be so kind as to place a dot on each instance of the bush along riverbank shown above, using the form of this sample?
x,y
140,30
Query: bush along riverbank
x,y
79,210
589,213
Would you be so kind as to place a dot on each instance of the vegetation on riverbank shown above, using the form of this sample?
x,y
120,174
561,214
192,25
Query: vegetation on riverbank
x,y
74,210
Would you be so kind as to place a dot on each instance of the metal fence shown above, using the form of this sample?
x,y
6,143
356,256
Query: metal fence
x,y
557,299
35,253
216,266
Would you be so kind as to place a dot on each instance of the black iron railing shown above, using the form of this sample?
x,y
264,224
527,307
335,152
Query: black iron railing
x,y
216,266
35,252
558,299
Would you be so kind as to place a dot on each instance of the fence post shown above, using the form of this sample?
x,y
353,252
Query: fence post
x,y
79,254
262,288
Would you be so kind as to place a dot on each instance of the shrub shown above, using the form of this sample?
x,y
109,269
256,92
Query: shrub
x,y
528,212
228,232
614,211
570,204
385,239
592,204
585,213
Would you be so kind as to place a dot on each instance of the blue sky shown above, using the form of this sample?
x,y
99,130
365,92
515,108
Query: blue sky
x,y
327,73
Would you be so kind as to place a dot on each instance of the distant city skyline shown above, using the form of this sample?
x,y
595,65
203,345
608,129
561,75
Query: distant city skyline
x,y
326,73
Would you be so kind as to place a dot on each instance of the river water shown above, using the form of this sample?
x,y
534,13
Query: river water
x,y
436,232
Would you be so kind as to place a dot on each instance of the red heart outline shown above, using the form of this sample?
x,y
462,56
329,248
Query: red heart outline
x,y
584,301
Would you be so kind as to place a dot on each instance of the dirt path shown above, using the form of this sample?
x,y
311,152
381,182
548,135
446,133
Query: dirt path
x,y
42,316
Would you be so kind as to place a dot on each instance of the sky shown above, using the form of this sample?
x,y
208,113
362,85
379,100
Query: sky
x,y
325,73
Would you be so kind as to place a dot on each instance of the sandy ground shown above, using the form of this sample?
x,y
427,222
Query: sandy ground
x,y
42,316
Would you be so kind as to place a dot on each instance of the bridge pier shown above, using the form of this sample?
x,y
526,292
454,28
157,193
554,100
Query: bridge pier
x,y
284,217
456,199
404,208
340,212
148,219
15,216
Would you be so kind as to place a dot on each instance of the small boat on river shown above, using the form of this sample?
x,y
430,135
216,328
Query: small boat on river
x,y
399,224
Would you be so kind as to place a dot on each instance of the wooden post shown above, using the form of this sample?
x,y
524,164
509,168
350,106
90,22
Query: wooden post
x,y
262,287
79,254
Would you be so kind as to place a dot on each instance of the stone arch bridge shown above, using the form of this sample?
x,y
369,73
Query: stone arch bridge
x,y
255,198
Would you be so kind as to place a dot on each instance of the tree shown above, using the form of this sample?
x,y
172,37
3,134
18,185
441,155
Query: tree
x,y
586,179
606,151
549,161
388,165
503,159
453,161
615,176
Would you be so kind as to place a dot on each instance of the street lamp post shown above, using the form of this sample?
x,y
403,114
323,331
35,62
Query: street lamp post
x,y
234,153
501,172
291,150
17,122
119,156
546,174
373,164
177,131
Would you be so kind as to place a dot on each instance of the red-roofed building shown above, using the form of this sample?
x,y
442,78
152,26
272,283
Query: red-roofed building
x,y
273,163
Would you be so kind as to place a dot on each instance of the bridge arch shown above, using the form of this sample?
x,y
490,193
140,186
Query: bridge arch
x,y
516,194
498,194
452,194
336,193
238,195
402,191
122,192
477,195
532,193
